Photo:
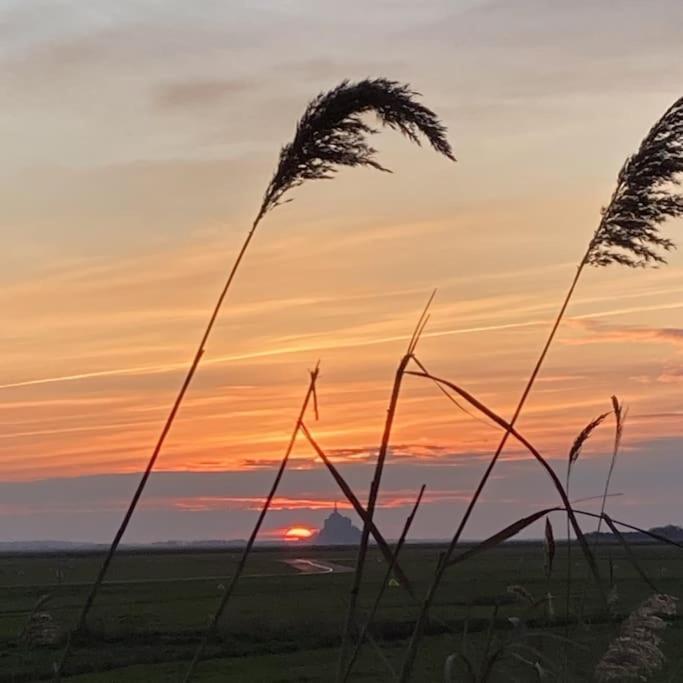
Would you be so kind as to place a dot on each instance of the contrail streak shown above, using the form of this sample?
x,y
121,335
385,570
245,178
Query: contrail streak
x,y
350,343
329,345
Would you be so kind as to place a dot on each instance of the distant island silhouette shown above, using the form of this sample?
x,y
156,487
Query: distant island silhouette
x,y
671,532
337,530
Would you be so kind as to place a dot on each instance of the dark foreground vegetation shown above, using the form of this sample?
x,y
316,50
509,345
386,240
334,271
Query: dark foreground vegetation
x,y
285,626
488,613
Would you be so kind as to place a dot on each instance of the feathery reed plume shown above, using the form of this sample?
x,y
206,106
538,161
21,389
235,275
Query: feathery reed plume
x,y
635,654
227,593
627,234
329,134
574,453
582,437
375,485
619,419
643,199
383,586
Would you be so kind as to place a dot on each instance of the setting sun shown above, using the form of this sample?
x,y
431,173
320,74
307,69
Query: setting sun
x,y
298,533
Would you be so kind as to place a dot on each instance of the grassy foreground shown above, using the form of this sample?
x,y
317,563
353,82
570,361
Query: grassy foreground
x,y
284,626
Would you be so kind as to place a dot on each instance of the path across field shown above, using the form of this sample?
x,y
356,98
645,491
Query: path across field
x,y
317,566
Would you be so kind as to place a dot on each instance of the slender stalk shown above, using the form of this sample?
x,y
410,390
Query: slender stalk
x,y
572,459
361,512
567,604
541,460
330,134
520,406
628,234
619,416
383,586
519,525
629,551
569,538
381,542
415,638
81,622
487,644
374,491
383,658
650,534
213,624
509,429
372,500
518,409
550,548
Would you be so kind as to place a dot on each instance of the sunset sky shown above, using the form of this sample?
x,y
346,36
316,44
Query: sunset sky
x,y
137,140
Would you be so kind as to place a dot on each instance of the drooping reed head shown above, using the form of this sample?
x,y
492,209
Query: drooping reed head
x,y
583,436
645,197
331,133
620,413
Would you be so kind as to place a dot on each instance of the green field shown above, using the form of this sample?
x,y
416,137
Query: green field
x,y
284,626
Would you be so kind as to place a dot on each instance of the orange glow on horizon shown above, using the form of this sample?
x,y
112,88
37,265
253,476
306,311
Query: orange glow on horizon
x,y
298,533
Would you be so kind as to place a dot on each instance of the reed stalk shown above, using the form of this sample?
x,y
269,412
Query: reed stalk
x,y
389,556
619,419
519,525
628,234
574,453
225,598
549,547
383,586
443,564
374,490
330,134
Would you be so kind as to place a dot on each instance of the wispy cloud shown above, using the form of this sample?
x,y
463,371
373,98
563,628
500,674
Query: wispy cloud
x,y
122,211
201,93
671,375
603,333
221,504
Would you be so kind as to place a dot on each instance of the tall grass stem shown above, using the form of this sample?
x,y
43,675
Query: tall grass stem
x,y
225,599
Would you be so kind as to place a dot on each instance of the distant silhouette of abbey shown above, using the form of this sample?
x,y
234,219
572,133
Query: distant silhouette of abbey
x,y
338,530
